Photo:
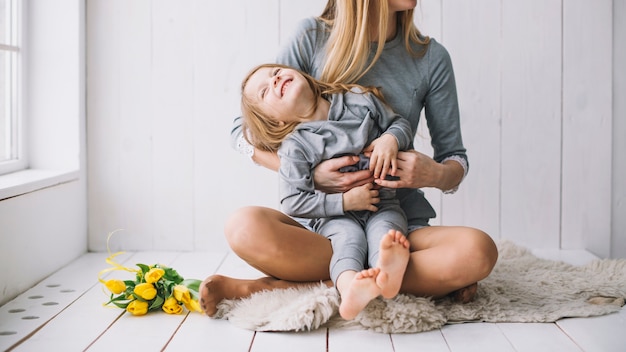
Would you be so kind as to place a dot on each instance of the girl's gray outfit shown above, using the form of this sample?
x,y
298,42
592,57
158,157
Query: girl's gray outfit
x,y
410,85
354,121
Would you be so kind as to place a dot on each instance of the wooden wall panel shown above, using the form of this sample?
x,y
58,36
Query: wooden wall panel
x,y
531,122
133,138
229,40
587,123
172,123
618,191
473,38
164,88
103,120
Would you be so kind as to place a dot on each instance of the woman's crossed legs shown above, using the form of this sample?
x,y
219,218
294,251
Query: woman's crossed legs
x,y
443,259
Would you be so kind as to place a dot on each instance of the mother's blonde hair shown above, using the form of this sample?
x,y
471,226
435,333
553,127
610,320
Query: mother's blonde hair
x,y
265,133
349,42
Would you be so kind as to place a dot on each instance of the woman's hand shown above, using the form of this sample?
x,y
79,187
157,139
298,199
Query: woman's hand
x,y
417,170
329,179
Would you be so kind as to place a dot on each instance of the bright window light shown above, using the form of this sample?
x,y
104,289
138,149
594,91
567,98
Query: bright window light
x,y
11,153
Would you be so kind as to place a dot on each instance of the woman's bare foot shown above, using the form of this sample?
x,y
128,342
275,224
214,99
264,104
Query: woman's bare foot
x,y
361,289
392,261
465,294
215,288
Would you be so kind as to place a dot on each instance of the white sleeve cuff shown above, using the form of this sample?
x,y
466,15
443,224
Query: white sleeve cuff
x,y
244,148
464,165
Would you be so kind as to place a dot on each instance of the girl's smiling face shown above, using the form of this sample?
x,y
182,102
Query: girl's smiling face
x,y
282,93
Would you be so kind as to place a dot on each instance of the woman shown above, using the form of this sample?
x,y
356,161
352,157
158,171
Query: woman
x,y
372,43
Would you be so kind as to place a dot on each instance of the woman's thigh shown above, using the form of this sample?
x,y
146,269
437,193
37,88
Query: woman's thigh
x,y
277,245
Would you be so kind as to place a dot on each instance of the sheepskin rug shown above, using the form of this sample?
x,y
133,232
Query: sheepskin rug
x,y
521,288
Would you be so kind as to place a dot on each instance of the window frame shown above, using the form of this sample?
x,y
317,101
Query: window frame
x,y
53,90
14,57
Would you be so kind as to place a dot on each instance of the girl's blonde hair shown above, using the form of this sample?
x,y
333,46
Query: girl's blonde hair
x,y
264,132
349,42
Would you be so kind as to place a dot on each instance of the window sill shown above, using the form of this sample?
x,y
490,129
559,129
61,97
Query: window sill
x,y
31,180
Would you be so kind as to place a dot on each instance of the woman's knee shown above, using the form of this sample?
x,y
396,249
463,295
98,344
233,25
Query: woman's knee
x,y
467,255
243,227
482,251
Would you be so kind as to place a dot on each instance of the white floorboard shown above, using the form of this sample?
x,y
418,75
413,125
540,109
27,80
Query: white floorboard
x,y
65,312
476,337
358,340
606,333
313,341
545,337
200,333
431,341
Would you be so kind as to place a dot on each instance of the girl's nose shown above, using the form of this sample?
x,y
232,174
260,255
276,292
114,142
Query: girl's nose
x,y
275,80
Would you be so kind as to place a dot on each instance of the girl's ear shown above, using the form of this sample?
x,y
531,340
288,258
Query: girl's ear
x,y
281,123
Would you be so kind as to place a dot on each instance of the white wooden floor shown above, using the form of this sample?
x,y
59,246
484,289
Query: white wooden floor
x,y
64,313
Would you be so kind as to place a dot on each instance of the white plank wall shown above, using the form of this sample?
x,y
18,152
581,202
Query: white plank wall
x,y
534,84
477,67
531,121
618,221
587,116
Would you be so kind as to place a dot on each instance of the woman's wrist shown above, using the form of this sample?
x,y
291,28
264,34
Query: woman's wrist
x,y
451,173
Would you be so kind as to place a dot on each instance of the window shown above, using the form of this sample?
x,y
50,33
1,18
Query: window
x,y
11,152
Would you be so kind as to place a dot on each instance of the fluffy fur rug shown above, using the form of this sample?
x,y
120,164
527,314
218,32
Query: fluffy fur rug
x,y
521,288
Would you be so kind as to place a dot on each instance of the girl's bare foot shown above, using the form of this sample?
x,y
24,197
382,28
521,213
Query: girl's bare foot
x,y
215,288
392,261
358,293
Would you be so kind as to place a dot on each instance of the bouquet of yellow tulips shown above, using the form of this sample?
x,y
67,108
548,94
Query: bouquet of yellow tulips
x,y
155,287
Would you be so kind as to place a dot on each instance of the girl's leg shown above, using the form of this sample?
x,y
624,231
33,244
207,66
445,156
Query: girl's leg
x,y
276,245
445,259
388,247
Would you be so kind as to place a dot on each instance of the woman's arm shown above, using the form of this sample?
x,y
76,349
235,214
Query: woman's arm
x,y
448,166
266,159
444,122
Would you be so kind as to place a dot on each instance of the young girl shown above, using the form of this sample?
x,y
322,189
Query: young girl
x,y
306,121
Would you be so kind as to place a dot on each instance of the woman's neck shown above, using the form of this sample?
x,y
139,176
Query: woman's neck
x,y
392,28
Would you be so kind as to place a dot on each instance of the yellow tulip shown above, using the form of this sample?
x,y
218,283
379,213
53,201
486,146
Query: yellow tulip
x,y
193,306
115,286
181,293
137,307
145,291
154,274
171,306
